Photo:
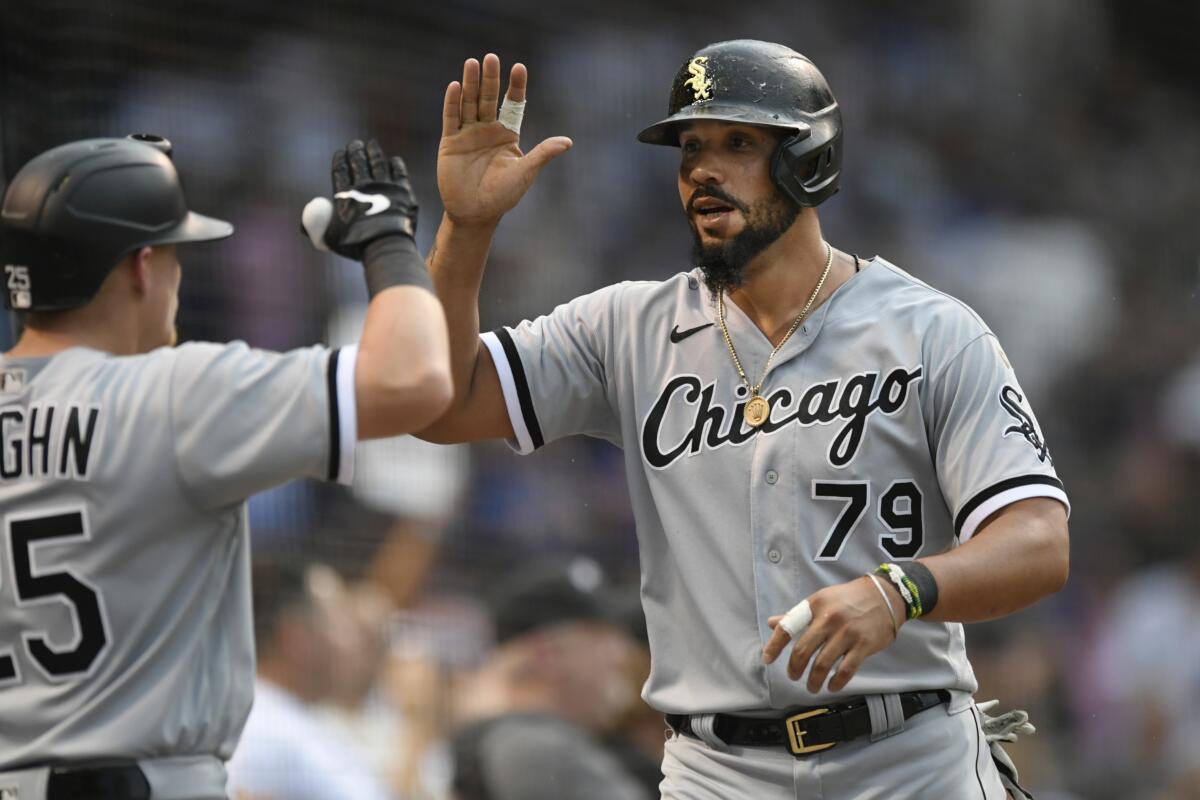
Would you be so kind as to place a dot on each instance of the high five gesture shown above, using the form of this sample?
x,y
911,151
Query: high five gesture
x,y
482,172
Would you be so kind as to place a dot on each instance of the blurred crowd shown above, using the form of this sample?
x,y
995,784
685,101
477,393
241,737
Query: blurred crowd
x,y
1037,159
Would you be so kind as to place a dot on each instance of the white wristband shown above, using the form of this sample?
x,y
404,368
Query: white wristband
x,y
896,576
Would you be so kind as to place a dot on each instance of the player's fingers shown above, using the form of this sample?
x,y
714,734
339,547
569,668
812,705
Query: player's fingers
x,y
776,643
340,171
518,80
847,669
452,109
802,651
489,88
356,155
470,92
823,661
377,161
546,152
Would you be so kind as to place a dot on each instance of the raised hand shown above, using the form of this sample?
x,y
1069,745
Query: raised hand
x,y
372,199
482,172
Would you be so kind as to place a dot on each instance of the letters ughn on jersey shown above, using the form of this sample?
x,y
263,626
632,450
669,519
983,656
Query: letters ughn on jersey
x,y
897,426
125,619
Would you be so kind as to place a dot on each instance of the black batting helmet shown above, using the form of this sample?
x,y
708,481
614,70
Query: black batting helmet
x,y
72,213
760,83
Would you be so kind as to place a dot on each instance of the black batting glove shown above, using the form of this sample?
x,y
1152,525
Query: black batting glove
x,y
372,199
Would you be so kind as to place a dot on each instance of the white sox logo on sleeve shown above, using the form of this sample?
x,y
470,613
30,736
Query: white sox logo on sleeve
x,y
1011,400
712,425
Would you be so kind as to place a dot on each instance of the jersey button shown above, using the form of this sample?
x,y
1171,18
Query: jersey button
x,y
772,476
774,556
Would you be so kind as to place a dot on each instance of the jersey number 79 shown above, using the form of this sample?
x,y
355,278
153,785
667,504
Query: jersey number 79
x,y
900,510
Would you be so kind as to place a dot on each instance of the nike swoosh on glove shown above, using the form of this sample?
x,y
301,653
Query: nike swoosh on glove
x,y
372,199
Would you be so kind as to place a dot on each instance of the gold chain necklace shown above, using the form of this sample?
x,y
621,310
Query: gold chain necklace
x,y
758,408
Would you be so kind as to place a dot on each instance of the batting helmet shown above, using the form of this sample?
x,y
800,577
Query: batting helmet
x,y
72,213
760,83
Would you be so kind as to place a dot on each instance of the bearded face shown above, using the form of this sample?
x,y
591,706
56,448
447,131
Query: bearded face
x,y
723,262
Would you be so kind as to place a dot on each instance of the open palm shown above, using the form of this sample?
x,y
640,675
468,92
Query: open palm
x,y
482,172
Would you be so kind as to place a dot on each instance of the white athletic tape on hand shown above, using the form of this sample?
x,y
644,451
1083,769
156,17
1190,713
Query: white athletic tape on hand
x,y
315,218
511,114
796,620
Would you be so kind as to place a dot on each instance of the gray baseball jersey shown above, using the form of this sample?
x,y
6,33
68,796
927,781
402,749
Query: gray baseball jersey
x,y
897,426
125,618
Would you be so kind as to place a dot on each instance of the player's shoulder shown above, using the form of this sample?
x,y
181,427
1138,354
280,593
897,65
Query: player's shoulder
x,y
666,296
236,356
908,299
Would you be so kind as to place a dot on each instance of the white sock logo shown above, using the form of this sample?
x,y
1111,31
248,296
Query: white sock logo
x,y
378,202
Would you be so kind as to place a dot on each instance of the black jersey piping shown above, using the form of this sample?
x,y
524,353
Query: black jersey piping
x,y
522,384
335,429
995,489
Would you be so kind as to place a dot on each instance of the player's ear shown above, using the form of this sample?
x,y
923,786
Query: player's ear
x,y
140,272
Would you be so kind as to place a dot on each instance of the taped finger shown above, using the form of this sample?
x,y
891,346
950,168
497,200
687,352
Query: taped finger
x,y
511,114
797,619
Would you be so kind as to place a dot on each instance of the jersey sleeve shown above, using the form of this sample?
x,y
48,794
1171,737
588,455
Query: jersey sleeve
x,y
556,372
988,448
244,420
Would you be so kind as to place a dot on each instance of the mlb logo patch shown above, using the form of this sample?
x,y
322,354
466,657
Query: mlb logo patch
x,y
11,382
9,793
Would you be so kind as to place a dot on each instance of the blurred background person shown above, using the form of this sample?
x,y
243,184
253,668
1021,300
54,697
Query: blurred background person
x,y
558,680
287,752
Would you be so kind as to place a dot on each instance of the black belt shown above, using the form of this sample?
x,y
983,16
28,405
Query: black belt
x,y
124,781
806,730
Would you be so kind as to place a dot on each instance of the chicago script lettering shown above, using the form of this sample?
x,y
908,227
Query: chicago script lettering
x,y
711,425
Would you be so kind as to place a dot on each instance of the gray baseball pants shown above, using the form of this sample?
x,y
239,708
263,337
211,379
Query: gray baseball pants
x,y
939,754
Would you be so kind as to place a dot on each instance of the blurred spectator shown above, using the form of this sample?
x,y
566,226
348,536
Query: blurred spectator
x,y
1148,655
557,680
286,751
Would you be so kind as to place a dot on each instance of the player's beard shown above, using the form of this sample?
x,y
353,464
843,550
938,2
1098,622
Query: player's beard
x,y
724,264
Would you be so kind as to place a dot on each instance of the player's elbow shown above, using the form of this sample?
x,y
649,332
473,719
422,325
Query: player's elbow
x,y
425,395
1054,555
404,401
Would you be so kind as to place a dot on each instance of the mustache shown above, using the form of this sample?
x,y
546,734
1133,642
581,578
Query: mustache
x,y
716,193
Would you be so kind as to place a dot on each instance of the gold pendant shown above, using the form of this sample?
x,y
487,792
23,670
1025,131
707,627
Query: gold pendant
x,y
756,411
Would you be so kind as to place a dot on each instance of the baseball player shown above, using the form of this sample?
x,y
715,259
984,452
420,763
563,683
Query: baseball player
x,y
126,650
806,433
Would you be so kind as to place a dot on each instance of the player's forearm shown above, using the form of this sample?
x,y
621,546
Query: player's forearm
x,y
1013,561
456,263
402,378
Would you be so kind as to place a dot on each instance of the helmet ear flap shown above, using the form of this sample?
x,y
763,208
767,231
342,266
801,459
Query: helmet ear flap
x,y
805,170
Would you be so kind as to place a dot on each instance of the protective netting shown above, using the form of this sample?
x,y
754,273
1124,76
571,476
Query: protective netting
x,y
1036,159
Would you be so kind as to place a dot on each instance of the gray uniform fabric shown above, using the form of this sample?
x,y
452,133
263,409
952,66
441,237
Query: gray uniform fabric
x,y
897,426
942,755
124,478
